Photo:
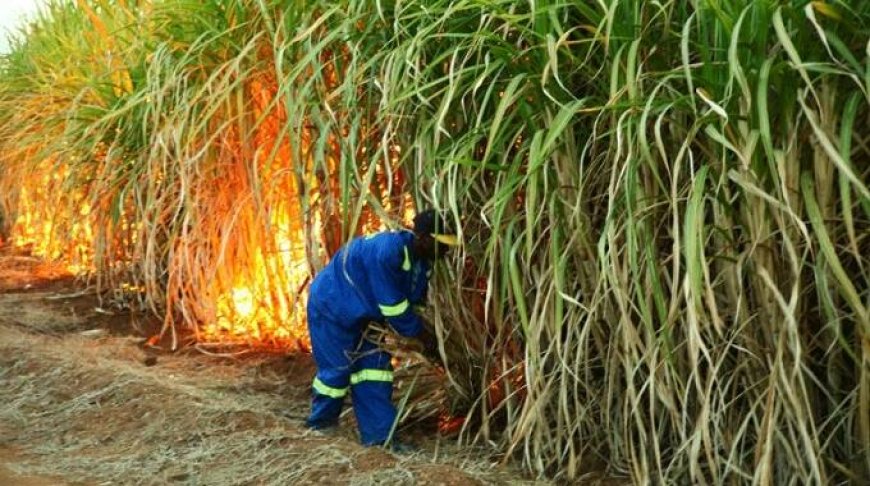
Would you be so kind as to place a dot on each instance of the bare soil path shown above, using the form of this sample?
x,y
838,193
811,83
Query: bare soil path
x,y
84,403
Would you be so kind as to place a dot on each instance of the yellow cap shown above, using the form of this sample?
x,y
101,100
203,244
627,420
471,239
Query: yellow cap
x,y
449,240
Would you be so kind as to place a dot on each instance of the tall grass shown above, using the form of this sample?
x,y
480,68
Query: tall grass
x,y
664,205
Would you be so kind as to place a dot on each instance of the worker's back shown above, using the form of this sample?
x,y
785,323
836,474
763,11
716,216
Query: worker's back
x,y
346,289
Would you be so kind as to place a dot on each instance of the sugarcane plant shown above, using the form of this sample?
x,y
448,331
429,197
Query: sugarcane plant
x,y
664,205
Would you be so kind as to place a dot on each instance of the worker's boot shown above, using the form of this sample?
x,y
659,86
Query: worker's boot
x,y
325,429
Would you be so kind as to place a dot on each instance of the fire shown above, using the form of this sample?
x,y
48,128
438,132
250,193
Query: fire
x,y
258,245
41,221
266,304
263,301
243,302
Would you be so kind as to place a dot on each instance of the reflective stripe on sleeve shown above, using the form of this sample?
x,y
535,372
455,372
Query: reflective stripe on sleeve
x,y
371,374
394,310
406,265
324,389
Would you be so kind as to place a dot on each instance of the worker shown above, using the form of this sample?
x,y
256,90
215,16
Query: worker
x,y
375,278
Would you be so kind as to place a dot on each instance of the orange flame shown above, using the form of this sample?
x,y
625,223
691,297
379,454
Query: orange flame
x,y
39,221
264,304
268,306
260,299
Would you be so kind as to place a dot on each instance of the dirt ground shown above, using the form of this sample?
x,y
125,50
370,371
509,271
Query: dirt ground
x,y
87,402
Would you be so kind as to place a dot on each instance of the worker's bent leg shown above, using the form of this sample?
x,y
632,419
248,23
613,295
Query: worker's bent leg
x,y
372,393
333,371
326,405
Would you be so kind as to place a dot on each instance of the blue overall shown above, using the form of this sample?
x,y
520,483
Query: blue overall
x,y
373,278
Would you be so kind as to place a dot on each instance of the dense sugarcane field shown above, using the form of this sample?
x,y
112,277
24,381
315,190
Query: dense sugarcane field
x,y
663,209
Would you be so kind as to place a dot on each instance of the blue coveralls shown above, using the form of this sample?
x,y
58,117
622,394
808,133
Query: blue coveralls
x,y
373,278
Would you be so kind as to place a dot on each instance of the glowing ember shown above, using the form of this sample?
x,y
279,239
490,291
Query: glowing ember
x,y
449,425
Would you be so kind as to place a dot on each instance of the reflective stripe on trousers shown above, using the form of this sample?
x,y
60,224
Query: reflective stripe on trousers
x,y
368,374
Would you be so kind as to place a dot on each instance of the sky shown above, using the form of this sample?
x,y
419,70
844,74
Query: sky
x,y
11,14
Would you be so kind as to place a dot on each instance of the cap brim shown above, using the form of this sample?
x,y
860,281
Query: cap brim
x,y
449,240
